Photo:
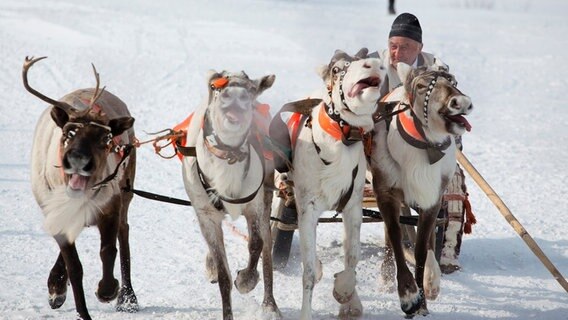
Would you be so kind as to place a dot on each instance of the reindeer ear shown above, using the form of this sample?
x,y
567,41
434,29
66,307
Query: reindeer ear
x,y
323,71
403,70
265,83
212,74
59,116
362,54
119,125
209,74
439,65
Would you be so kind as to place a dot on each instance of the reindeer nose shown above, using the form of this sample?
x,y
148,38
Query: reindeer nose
x,y
459,103
75,159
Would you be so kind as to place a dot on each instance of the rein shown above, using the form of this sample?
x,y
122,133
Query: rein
x,y
127,148
218,196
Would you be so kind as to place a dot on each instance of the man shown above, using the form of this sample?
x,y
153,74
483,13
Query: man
x,y
405,45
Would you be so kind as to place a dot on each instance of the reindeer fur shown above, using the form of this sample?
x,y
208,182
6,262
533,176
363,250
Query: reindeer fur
x,y
322,178
67,209
402,173
230,111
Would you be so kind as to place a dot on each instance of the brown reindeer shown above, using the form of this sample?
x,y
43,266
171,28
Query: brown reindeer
x,y
412,161
80,163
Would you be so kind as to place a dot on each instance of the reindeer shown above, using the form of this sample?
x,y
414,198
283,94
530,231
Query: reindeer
x,y
413,158
78,171
329,165
227,173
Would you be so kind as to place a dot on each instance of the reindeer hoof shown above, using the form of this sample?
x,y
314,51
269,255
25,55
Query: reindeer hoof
x,y
246,281
127,301
432,294
344,286
57,300
351,309
449,268
107,293
271,311
414,304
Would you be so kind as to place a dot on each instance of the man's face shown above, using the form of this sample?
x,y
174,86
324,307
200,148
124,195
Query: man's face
x,y
403,49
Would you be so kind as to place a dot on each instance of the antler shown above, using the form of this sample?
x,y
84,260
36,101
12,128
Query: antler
x,y
27,65
97,94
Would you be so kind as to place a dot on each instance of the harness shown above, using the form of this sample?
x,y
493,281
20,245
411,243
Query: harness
x,y
297,114
410,128
222,151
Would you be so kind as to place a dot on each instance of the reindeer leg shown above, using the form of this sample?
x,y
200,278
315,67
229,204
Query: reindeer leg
x,y
388,269
248,278
344,290
213,234
390,205
57,283
268,303
211,268
432,270
308,220
127,301
108,286
75,273
423,252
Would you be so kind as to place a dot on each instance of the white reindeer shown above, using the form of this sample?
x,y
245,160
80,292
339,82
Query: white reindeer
x,y
413,158
229,175
78,172
329,168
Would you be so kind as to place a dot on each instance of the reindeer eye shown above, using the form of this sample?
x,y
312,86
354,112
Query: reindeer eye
x,y
335,70
70,134
420,86
108,139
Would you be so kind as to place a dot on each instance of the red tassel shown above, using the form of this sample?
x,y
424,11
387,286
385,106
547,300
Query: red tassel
x,y
470,217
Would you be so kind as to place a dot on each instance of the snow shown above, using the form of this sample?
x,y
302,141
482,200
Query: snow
x,y
508,55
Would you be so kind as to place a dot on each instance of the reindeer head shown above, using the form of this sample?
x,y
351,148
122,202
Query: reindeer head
x,y
87,133
437,102
353,85
232,97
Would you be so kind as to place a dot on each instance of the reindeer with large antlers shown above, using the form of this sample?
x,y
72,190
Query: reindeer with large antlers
x,y
81,160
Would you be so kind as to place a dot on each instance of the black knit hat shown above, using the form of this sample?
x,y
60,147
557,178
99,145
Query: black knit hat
x,y
406,25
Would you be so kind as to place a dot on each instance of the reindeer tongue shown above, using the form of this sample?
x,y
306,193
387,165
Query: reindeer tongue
x,y
461,120
77,182
358,87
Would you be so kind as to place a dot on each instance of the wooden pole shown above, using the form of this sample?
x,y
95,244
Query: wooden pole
x,y
492,195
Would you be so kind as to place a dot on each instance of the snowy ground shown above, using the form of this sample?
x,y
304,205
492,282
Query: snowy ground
x,y
508,55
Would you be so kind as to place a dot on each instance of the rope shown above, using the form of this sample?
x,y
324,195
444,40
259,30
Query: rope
x,y
171,135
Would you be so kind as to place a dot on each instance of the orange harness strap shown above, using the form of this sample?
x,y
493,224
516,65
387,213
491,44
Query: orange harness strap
x,y
409,126
261,118
328,125
182,126
293,125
